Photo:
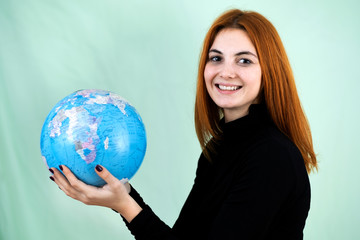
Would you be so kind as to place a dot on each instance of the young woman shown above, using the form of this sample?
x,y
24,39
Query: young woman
x,y
252,177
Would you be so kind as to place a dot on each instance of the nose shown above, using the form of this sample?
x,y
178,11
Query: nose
x,y
227,72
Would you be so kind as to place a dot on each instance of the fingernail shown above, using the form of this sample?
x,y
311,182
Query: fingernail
x,y
52,171
61,168
98,168
51,177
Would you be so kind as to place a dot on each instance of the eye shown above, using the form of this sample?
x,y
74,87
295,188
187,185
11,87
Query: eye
x,y
215,59
244,61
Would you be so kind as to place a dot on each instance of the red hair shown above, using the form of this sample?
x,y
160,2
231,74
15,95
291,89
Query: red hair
x,y
278,90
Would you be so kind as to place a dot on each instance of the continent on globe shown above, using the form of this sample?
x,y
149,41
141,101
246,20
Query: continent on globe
x,y
91,127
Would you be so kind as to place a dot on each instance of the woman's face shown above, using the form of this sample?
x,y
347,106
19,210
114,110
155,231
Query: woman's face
x,y
232,73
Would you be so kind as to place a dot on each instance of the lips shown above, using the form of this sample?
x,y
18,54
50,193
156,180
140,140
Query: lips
x,y
228,87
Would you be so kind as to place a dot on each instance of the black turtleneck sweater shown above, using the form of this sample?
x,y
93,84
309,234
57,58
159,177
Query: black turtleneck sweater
x,y
255,187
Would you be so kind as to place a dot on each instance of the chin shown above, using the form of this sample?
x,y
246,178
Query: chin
x,y
228,105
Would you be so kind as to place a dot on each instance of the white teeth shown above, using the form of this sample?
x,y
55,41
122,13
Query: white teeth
x,y
228,88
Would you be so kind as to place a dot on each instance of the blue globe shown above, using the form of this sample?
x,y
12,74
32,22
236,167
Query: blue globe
x,y
91,127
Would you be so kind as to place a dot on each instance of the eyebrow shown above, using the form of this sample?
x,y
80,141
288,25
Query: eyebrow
x,y
237,54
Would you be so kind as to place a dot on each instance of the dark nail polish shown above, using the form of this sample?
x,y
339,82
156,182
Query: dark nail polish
x,y
98,168
52,171
51,177
61,168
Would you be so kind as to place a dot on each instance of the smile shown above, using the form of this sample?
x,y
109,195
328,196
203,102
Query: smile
x,y
227,88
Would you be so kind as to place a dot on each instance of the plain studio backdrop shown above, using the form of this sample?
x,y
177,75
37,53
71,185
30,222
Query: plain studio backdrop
x,y
147,52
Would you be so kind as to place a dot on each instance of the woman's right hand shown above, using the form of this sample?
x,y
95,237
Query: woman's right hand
x,y
114,194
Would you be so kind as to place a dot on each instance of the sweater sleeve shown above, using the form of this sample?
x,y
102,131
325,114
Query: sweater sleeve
x,y
259,190
146,225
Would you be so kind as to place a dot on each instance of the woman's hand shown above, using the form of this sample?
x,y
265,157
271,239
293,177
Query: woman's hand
x,y
114,194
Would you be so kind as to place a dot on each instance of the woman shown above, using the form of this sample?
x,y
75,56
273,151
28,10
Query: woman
x,y
252,177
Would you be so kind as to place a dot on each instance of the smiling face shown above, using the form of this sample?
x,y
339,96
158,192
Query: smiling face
x,y
233,73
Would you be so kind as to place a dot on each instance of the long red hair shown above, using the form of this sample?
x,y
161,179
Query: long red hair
x,y
278,89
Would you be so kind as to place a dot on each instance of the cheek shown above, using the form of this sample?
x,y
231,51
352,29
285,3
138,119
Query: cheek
x,y
209,74
257,79
253,78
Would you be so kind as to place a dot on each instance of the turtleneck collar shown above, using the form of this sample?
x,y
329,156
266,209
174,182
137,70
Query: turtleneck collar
x,y
256,118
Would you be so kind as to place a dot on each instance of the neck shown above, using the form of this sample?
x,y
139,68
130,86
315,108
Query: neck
x,y
231,115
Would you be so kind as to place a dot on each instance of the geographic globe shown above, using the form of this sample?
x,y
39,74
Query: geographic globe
x,y
91,127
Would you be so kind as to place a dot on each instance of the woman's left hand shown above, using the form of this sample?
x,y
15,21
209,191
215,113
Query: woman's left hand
x,y
114,194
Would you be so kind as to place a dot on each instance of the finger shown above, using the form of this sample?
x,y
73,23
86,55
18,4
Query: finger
x,y
124,180
126,183
78,189
58,178
65,185
106,175
73,180
73,187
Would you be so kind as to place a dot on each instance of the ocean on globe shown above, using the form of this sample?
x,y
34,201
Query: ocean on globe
x,y
91,127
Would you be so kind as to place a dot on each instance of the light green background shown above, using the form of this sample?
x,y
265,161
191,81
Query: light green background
x,y
147,51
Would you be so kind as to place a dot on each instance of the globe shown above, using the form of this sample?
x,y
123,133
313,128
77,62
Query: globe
x,y
91,127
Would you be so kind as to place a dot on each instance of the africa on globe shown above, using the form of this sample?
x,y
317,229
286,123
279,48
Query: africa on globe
x,y
91,127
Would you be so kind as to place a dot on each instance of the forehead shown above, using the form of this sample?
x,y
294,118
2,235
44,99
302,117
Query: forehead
x,y
233,39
